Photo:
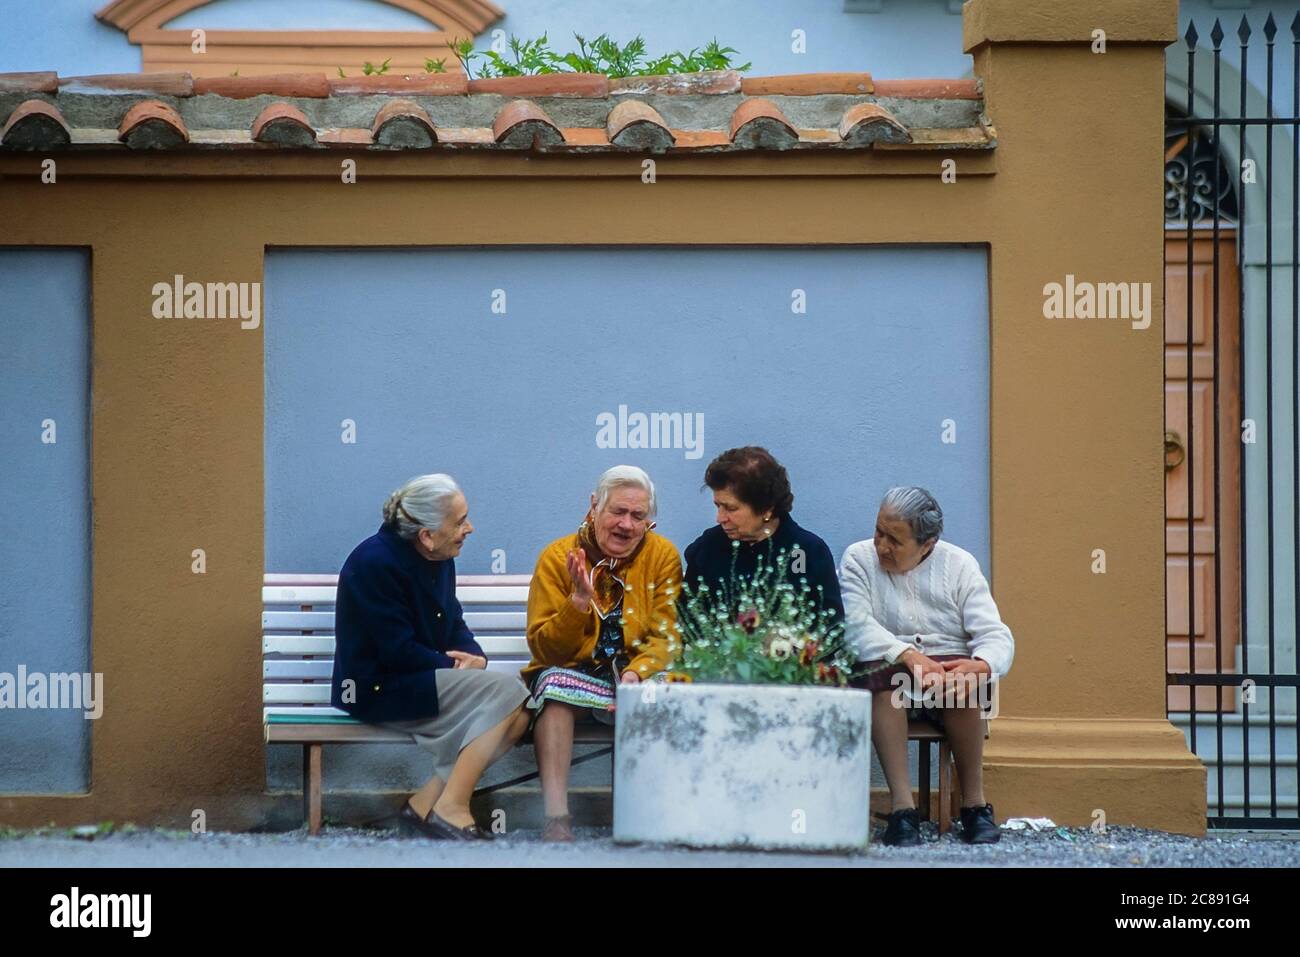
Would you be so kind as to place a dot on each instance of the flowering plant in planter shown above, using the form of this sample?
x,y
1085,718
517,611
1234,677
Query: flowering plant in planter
x,y
763,713
760,630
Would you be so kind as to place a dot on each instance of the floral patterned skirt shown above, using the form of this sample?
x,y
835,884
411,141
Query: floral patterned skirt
x,y
576,688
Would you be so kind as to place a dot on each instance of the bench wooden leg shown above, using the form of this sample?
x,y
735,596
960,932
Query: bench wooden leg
x,y
923,773
947,797
956,791
311,775
945,787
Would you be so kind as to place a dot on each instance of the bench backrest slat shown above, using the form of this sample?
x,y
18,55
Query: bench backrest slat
x,y
296,693
322,669
298,635
323,621
298,646
323,595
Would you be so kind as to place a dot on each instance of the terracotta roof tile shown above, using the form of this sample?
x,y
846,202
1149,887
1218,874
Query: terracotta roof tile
x,y
466,136
701,139
151,124
522,124
96,137
427,84
758,123
636,125
806,84
404,124
35,125
562,113
300,85
819,137
217,139
930,89
868,123
347,136
705,82
39,82
283,124
154,84
585,136
545,84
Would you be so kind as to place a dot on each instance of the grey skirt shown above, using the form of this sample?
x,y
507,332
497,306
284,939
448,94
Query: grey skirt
x,y
471,702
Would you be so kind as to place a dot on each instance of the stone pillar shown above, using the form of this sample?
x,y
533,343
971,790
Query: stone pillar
x,y
1077,95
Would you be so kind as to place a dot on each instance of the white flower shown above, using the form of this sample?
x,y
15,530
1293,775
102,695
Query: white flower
x,y
780,649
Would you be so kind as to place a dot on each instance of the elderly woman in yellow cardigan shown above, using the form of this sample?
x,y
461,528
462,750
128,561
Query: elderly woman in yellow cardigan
x,y
600,611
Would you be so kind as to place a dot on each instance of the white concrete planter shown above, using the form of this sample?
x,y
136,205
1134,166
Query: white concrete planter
x,y
756,766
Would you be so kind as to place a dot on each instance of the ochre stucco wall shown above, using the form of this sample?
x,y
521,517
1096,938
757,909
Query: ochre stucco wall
x,y
1077,407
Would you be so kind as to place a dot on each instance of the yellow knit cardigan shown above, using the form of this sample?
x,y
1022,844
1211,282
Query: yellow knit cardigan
x,y
560,635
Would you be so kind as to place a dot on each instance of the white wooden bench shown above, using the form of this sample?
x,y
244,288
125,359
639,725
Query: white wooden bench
x,y
298,665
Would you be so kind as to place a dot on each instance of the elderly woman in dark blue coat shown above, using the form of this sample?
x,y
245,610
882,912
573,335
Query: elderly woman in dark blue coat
x,y
751,492
405,659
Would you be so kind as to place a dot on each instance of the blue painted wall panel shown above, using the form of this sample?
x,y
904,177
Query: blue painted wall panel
x,y
851,396
45,529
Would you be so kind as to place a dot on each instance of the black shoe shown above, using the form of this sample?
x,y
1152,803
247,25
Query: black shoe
x,y
410,824
978,826
903,829
448,831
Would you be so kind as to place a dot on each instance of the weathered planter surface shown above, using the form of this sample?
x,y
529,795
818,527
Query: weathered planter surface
x,y
759,766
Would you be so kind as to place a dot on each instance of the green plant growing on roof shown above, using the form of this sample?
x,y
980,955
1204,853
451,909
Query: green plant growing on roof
x,y
602,54
369,69
435,66
713,57
531,58
463,51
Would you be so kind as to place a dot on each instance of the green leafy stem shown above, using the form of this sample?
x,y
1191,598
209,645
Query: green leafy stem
x,y
599,55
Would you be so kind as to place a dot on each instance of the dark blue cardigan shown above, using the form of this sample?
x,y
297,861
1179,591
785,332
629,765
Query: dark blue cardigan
x,y
709,556
395,619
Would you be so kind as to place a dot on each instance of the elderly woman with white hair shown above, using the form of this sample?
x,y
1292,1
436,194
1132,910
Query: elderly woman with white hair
x,y
600,612
405,659
920,608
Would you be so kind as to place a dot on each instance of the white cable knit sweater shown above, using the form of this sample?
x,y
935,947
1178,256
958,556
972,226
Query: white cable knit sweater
x,y
943,606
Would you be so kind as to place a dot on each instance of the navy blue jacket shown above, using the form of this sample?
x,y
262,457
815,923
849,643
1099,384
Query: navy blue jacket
x,y
395,619
710,555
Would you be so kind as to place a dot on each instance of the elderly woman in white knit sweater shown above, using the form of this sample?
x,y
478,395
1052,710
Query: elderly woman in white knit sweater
x,y
919,609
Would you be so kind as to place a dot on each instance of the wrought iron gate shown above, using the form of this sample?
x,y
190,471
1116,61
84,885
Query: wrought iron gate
x,y
1231,672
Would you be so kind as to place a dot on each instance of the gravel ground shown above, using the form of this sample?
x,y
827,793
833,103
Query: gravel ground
x,y
347,847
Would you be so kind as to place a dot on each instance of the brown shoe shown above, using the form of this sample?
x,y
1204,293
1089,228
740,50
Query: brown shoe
x,y
559,830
